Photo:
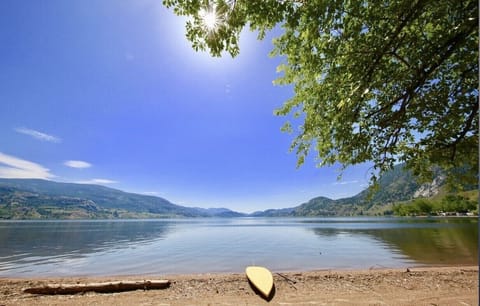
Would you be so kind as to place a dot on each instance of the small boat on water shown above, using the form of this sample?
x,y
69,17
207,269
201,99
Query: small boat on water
x,y
261,278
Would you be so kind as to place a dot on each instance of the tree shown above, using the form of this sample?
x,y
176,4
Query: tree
x,y
457,203
423,206
385,81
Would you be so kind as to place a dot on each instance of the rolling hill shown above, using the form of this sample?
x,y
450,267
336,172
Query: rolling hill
x,y
41,199
394,186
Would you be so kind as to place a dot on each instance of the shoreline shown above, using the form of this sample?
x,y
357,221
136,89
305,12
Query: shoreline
x,y
426,267
443,285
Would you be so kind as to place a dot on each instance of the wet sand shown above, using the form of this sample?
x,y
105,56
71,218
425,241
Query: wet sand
x,y
417,286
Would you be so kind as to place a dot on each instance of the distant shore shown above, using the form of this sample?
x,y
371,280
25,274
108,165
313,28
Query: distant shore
x,y
430,286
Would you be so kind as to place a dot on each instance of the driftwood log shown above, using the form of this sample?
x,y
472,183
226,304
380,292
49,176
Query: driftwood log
x,y
108,287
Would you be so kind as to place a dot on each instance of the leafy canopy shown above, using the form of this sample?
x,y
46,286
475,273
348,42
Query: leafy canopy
x,y
375,80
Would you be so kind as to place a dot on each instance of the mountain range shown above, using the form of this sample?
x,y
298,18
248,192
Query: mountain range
x,y
42,199
396,185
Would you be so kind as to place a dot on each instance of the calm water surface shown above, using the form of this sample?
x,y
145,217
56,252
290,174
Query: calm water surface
x,y
68,248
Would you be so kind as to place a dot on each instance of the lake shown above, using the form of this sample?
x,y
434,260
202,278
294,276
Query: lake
x,y
173,246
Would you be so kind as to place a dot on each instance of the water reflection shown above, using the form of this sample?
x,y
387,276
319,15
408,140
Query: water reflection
x,y
73,239
228,245
434,246
425,241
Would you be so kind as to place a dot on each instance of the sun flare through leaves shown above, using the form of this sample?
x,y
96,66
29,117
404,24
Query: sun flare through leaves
x,y
210,18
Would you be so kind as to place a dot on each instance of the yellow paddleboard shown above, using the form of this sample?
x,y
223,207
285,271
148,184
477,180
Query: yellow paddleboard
x,y
261,278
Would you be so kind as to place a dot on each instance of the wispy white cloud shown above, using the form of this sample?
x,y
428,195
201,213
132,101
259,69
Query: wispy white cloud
x,y
38,135
151,193
79,164
97,181
14,167
346,182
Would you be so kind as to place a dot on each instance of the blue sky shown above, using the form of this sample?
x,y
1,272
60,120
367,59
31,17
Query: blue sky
x,y
110,92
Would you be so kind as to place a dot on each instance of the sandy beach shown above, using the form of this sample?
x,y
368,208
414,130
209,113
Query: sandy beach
x,y
417,286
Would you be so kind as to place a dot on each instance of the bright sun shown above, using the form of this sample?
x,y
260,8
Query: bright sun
x,y
209,18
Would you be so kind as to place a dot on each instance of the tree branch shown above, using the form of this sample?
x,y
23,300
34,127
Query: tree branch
x,y
466,128
428,68
397,56
413,13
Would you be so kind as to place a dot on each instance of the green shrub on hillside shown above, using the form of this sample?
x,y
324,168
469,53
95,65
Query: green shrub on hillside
x,y
452,203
